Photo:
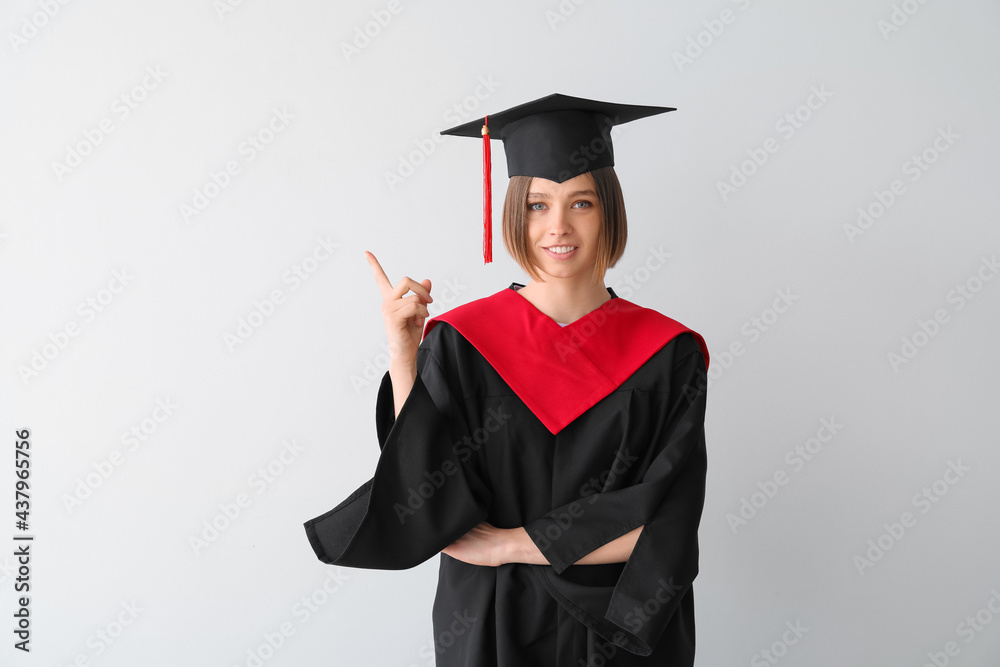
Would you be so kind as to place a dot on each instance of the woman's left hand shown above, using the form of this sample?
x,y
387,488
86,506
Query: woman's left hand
x,y
483,545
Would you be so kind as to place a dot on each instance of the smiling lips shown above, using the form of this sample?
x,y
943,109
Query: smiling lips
x,y
561,251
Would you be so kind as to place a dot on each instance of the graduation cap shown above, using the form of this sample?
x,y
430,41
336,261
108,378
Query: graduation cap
x,y
555,137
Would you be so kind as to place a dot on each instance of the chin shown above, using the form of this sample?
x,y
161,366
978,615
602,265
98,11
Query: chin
x,y
566,274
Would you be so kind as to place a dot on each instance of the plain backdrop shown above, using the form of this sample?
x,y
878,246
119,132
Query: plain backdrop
x,y
193,338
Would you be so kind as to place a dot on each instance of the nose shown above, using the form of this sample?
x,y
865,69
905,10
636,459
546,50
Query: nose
x,y
559,221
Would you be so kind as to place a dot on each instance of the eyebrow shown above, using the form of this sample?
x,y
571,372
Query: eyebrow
x,y
543,195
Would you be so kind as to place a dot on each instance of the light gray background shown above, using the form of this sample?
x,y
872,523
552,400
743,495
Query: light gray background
x,y
301,376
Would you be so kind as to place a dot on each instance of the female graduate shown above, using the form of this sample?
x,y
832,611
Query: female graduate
x,y
548,440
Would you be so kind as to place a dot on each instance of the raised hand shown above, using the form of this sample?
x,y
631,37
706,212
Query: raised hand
x,y
404,318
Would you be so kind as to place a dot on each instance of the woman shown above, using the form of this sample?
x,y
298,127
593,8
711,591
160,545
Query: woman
x,y
547,440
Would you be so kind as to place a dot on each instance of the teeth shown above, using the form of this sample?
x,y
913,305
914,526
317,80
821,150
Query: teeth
x,y
560,249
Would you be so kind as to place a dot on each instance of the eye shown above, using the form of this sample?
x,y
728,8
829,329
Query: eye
x,y
532,205
586,204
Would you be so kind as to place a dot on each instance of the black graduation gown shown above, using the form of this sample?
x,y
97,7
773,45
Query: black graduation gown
x,y
605,449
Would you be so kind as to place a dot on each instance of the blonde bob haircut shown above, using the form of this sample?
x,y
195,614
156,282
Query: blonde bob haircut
x,y
614,227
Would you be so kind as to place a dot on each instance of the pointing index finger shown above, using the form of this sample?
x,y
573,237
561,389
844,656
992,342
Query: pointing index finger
x,y
384,285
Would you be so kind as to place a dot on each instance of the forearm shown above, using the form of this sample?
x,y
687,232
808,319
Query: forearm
x,y
403,375
521,549
615,551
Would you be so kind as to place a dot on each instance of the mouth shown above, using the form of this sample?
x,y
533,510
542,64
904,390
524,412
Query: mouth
x,y
561,251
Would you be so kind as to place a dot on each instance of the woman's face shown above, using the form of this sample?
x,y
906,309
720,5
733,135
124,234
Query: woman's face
x,y
563,226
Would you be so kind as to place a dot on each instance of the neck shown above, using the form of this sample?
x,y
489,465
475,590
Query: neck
x,y
565,300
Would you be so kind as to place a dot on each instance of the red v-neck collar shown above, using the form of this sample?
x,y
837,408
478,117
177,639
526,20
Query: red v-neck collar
x,y
560,372
558,324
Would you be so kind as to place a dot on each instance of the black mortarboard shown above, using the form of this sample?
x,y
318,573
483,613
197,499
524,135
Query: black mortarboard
x,y
555,137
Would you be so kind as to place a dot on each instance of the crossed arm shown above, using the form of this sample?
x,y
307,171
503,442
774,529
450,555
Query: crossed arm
x,y
491,546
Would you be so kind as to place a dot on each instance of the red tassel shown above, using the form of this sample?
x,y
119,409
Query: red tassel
x,y
487,196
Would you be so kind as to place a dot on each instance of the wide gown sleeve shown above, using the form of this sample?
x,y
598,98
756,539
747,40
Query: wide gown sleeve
x,y
667,502
424,495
